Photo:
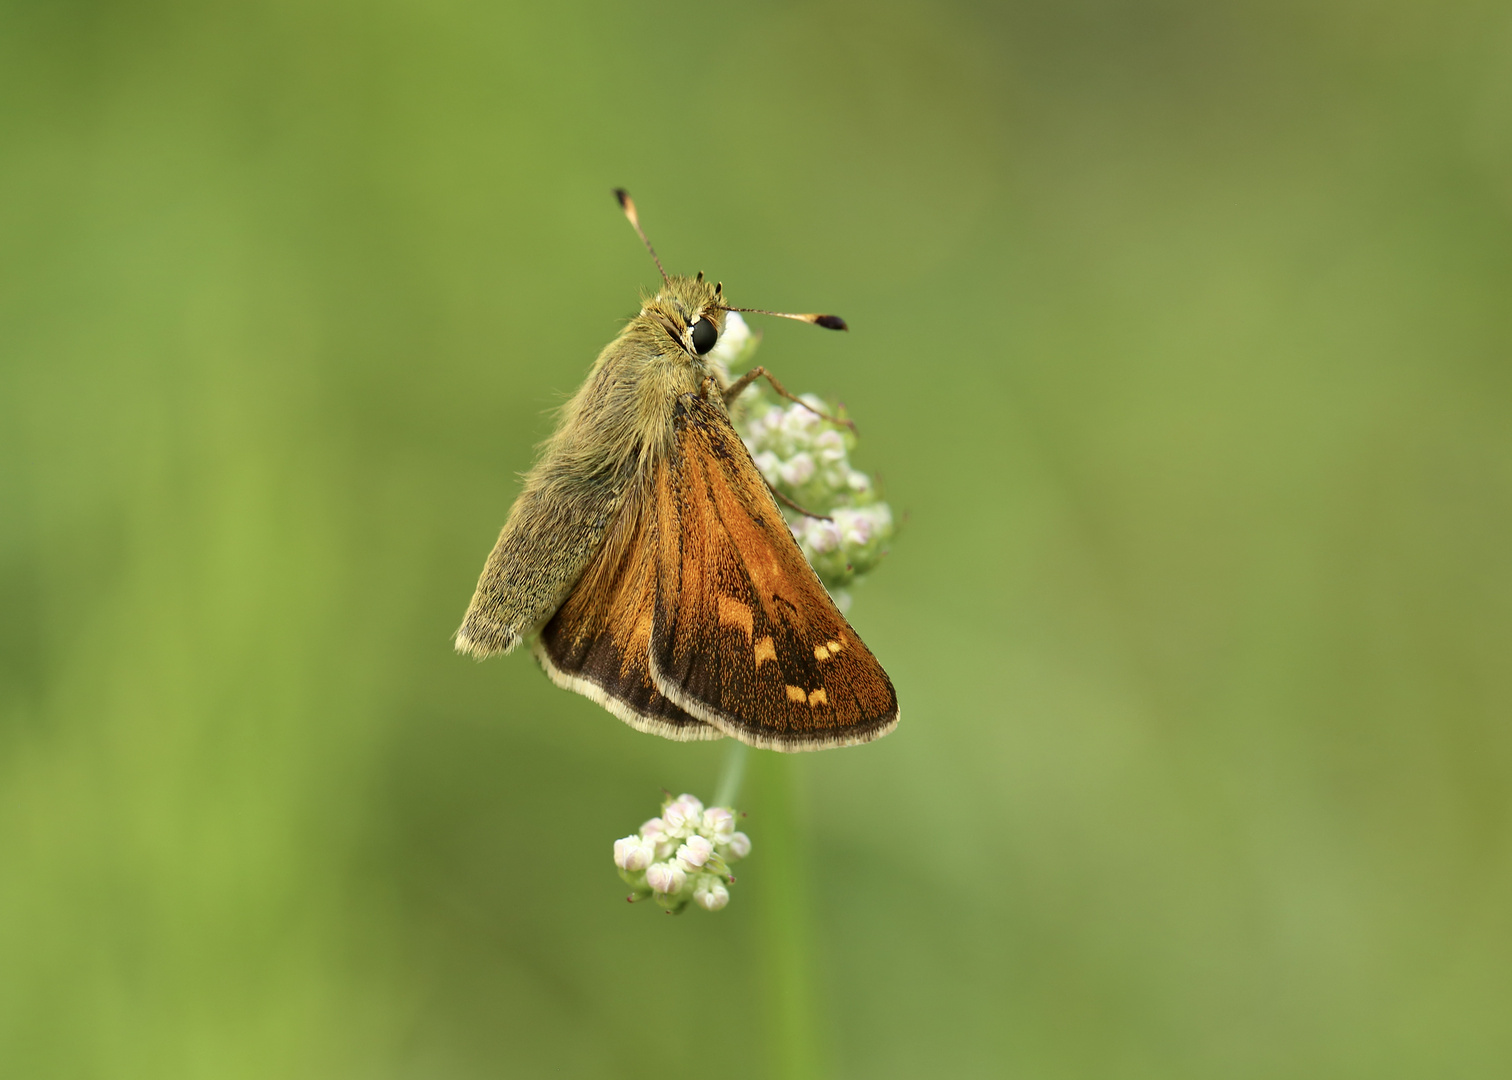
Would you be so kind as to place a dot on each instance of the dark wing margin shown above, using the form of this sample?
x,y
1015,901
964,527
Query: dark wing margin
x,y
596,643
744,635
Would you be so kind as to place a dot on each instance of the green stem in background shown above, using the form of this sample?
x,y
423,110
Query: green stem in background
x,y
790,997
734,771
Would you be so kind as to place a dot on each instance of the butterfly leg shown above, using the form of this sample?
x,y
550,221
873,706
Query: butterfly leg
x,y
738,387
792,505
730,395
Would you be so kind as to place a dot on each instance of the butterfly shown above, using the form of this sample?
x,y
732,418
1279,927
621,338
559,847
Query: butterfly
x,y
647,554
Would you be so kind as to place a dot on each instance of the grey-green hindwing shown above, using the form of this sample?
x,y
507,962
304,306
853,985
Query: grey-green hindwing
x,y
609,436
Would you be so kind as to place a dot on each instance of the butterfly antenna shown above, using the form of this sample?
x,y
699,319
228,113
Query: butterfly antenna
x,y
829,322
627,204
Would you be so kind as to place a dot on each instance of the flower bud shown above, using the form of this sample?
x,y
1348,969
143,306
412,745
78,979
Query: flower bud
x,y
671,903
831,445
769,464
695,852
666,877
654,830
710,893
633,853
822,536
798,470
740,846
855,528
682,815
718,824
795,420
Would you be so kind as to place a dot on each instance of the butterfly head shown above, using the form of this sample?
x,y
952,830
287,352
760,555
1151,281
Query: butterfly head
x,y
691,310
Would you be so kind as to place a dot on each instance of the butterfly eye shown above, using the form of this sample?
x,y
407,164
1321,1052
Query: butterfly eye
x,y
704,336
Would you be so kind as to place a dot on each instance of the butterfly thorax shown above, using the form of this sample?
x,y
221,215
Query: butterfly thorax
x,y
625,406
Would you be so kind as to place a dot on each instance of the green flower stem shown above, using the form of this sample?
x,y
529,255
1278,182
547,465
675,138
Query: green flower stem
x,y
790,997
734,771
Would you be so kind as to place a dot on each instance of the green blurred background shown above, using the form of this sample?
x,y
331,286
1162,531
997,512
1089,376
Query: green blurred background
x,y
1181,331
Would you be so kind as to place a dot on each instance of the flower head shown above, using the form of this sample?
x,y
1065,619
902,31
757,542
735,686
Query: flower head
x,y
683,856
806,458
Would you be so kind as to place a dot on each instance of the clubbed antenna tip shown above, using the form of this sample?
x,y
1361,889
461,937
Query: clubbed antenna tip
x,y
627,204
829,322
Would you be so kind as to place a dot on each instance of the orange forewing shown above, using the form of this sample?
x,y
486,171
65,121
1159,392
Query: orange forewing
x,y
744,635
596,644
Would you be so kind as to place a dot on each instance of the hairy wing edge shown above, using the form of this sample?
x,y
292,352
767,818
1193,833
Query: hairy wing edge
x,y
651,725
762,741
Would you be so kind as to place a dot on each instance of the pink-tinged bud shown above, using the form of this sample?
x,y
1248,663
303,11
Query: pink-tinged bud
x,y
822,535
666,877
740,846
831,445
857,529
695,852
718,824
799,419
710,893
798,470
769,464
633,853
673,819
654,830
682,815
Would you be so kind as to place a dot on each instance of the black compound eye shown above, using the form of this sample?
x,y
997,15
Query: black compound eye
x,y
704,336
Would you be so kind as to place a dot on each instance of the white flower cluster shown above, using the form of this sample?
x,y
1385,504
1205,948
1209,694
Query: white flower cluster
x,y
807,459
683,856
